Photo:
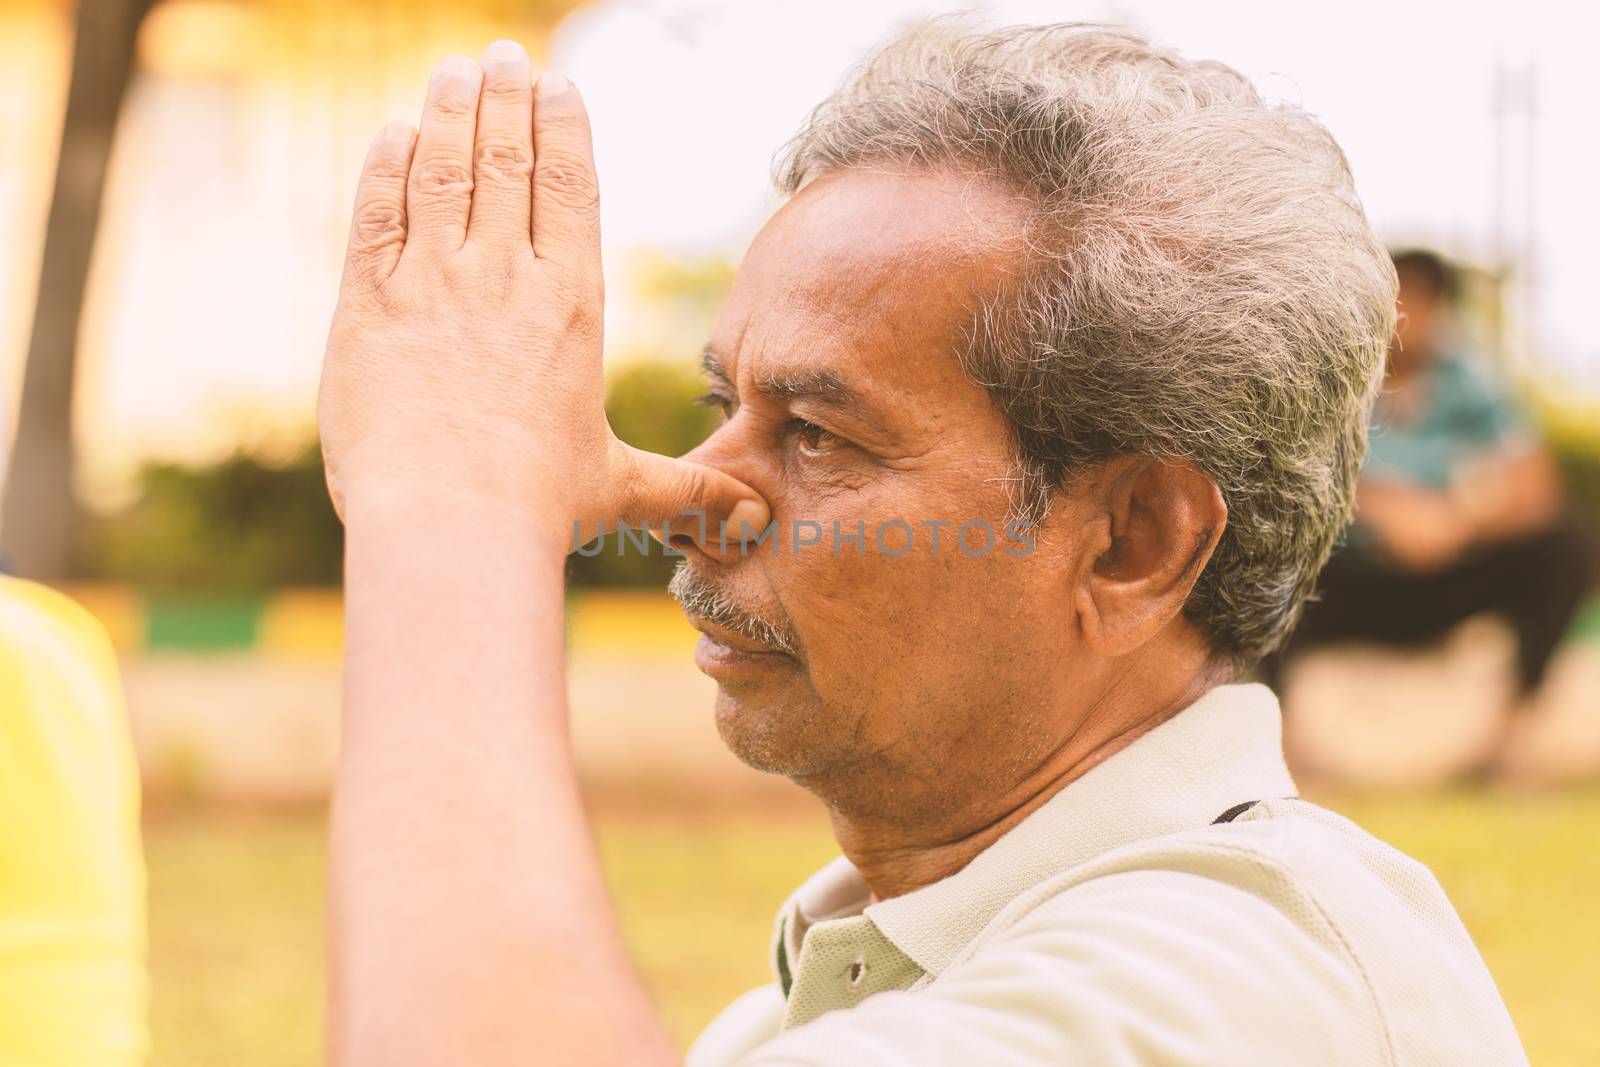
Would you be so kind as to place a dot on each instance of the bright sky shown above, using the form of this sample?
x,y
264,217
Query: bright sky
x,y
233,173
691,98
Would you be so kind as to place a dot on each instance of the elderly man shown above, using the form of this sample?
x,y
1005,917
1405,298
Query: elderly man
x,y
1052,282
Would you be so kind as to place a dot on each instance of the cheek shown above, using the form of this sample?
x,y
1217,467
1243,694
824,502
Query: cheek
x,y
904,612
913,620
924,655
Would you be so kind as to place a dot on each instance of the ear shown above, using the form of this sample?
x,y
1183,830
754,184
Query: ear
x,y
1153,527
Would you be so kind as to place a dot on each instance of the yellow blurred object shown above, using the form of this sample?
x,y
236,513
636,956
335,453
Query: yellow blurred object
x,y
117,608
203,38
302,622
73,981
633,622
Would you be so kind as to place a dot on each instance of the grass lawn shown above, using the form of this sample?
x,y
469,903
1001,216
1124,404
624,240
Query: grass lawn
x,y
236,913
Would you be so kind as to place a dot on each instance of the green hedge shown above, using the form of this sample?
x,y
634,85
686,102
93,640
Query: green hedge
x,y
246,526
240,526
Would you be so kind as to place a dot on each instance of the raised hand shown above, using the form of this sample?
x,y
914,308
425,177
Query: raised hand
x,y
465,352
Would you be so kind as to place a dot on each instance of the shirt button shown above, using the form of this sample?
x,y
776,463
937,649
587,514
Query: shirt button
x,y
858,971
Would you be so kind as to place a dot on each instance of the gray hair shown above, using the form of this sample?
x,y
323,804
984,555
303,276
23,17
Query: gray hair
x,y
1201,283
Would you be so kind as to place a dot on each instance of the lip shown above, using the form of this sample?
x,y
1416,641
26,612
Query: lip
x,y
722,652
728,638
724,662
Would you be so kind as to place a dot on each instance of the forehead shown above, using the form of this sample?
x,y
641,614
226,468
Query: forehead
x,y
871,274
1416,286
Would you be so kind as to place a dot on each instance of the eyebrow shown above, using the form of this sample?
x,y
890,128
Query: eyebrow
x,y
712,367
826,386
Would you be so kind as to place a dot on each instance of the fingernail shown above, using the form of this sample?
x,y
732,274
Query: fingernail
x,y
505,58
747,519
457,71
552,83
392,142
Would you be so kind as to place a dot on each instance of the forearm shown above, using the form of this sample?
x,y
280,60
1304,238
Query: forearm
x,y
469,921
1520,494
471,924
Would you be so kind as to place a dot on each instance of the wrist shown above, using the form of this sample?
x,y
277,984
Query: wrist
x,y
465,518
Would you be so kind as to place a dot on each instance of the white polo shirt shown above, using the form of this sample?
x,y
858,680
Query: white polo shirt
x,y
1120,924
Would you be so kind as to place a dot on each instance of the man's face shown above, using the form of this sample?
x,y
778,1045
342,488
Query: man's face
x,y
1417,329
913,669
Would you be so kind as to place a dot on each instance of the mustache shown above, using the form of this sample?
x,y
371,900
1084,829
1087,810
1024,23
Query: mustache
x,y
700,597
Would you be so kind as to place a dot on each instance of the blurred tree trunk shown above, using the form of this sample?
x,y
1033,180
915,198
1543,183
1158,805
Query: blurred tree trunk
x,y
39,519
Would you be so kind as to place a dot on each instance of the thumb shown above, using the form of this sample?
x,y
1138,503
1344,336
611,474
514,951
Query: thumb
x,y
686,499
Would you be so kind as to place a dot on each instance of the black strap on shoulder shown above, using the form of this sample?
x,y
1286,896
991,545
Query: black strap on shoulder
x,y
1234,812
1239,809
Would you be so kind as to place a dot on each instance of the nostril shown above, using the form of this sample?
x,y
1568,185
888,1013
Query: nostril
x,y
682,542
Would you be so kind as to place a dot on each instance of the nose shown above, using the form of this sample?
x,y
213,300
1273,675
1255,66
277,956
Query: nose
x,y
728,451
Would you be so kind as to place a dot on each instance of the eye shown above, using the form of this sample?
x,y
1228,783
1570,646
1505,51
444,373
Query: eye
x,y
815,439
718,401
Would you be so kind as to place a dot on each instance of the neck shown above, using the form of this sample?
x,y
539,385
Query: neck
x,y
896,857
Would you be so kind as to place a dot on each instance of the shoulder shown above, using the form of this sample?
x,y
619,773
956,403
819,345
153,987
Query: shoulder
x,y
1240,943
1290,912
60,690
39,624
1165,951
747,1023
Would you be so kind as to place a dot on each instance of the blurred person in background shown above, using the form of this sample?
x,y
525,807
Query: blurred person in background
x,y
1460,507
1048,275
73,983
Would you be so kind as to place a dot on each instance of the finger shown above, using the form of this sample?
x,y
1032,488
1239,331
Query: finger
x,y
692,499
439,196
378,226
503,152
566,195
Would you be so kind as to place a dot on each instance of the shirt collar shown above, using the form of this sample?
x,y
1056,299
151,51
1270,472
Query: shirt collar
x,y
1225,748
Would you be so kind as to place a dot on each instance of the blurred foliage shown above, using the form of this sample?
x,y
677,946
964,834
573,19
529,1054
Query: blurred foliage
x,y
693,289
245,525
652,405
241,525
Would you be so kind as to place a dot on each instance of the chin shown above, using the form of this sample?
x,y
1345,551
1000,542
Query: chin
x,y
771,734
